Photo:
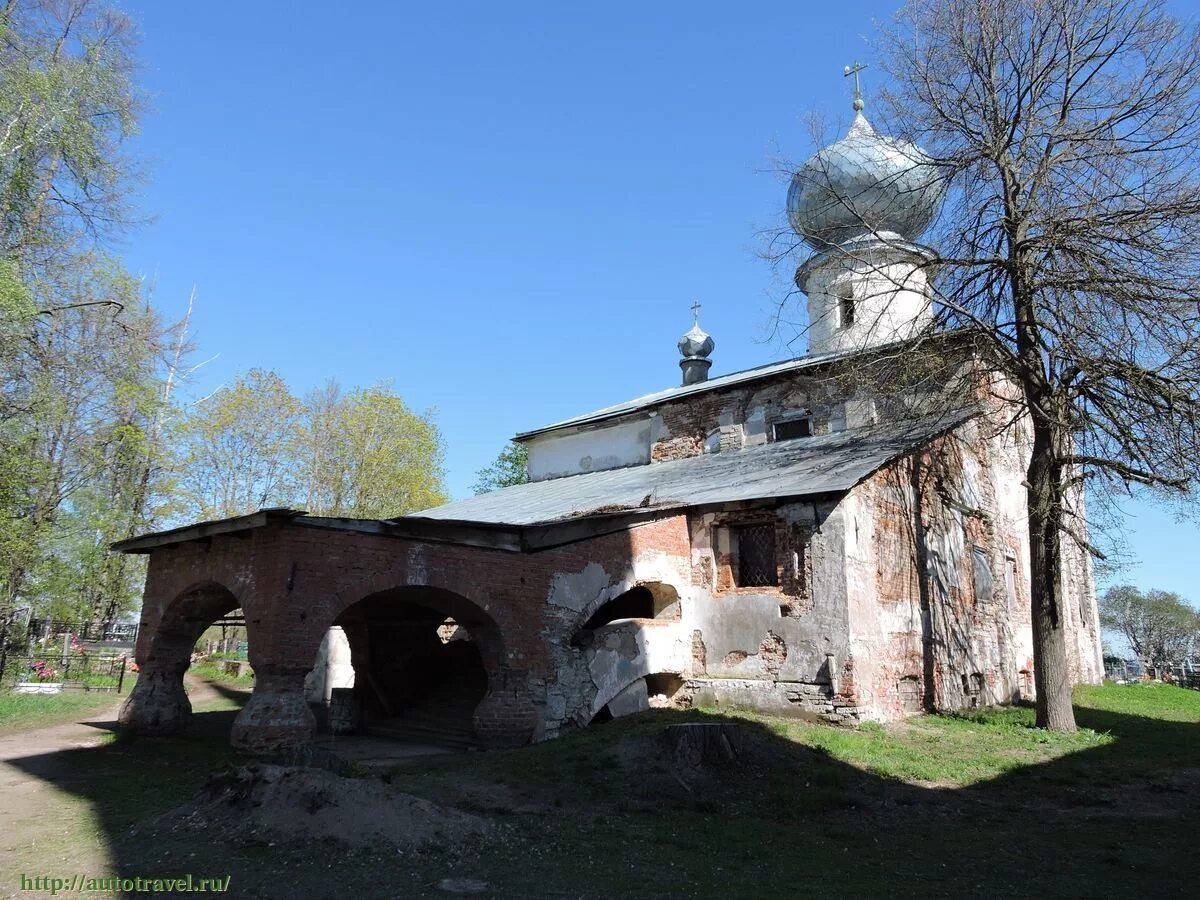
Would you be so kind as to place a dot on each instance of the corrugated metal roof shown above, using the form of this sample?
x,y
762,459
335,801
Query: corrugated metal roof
x,y
817,465
686,390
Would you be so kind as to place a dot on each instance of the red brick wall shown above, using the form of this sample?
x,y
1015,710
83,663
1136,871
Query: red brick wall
x,y
293,582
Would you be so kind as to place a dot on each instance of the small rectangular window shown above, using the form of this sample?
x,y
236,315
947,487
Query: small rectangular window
x,y
756,565
846,309
793,428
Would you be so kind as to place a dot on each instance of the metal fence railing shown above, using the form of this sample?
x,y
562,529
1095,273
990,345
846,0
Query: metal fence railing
x,y
89,632
1185,674
51,672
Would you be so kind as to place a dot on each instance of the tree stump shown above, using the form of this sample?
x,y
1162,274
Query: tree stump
x,y
696,744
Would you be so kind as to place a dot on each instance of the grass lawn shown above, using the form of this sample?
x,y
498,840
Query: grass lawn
x,y
214,670
974,805
21,712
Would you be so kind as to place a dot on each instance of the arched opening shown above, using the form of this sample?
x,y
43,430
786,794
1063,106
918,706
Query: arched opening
x,y
651,600
193,613
186,638
420,659
655,691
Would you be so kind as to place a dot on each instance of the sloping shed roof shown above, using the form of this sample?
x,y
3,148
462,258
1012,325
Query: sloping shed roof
x,y
541,514
817,465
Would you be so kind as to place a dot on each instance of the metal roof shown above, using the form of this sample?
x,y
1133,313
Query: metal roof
x,y
865,184
673,393
804,466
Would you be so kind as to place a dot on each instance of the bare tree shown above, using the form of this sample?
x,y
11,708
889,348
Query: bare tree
x,y
1068,133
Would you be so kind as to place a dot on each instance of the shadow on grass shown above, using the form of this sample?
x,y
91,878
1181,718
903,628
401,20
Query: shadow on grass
x,y
603,813
238,693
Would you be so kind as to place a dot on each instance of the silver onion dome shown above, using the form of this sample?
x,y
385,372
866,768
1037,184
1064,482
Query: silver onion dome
x,y
865,183
696,343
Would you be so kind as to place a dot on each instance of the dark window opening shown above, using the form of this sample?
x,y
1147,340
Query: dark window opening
x,y
793,428
756,556
635,604
846,309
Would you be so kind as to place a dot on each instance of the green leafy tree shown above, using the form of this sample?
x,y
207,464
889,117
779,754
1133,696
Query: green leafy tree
x,y
239,447
78,347
1161,628
365,454
511,467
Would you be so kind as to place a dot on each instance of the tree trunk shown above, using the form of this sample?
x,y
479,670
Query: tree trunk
x,y
1052,674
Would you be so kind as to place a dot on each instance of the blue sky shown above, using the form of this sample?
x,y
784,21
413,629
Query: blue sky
x,y
505,209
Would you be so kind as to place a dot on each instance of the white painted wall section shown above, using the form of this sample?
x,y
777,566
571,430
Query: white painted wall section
x,y
612,447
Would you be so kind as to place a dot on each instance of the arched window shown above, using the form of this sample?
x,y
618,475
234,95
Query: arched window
x,y
646,601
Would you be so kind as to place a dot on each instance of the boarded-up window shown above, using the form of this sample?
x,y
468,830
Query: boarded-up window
x,y
910,694
981,572
756,565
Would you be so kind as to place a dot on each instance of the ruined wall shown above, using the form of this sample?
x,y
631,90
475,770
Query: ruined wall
x,y
1079,600
293,582
720,420
960,637
948,640
782,648
580,679
742,416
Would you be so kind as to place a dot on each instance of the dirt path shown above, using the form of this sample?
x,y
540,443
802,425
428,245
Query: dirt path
x,y
41,817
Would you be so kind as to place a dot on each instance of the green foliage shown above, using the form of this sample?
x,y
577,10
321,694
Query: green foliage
x,y
215,671
511,467
80,351
239,445
1161,628
68,103
361,453
365,454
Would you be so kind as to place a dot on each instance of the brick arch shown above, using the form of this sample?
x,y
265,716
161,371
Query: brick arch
x,y
663,594
158,703
444,592
186,617
484,629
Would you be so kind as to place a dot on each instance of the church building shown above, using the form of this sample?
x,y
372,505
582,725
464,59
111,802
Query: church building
x,y
839,537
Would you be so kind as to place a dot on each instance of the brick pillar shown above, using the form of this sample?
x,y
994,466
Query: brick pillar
x,y
277,718
506,717
158,703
